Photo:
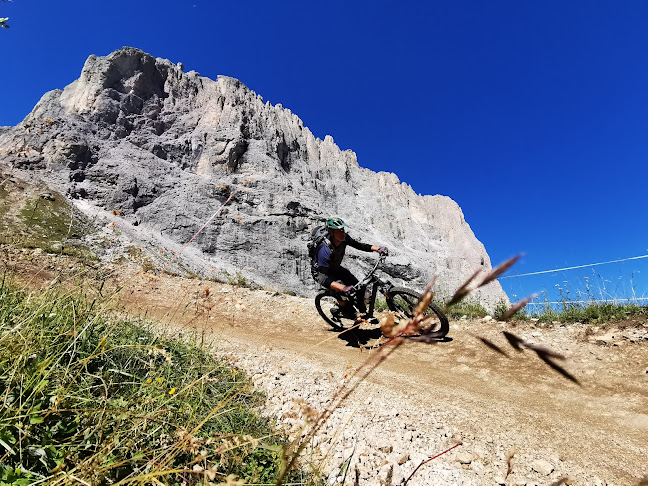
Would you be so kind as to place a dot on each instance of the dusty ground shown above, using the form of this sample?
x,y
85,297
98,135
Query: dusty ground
x,y
424,398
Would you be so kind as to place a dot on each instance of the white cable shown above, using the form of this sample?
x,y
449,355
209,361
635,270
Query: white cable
x,y
578,266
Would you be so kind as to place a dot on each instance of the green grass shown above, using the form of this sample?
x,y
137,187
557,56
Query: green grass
x,y
53,226
472,310
380,305
91,396
589,312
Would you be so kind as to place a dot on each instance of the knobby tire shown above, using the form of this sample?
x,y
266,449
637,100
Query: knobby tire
x,y
323,298
400,299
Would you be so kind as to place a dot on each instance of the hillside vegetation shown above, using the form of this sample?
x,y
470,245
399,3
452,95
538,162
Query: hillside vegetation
x,y
89,397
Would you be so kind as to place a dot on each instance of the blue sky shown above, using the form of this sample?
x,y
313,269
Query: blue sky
x,y
532,115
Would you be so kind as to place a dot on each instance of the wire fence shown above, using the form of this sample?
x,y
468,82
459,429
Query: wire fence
x,y
617,301
596,289
577,266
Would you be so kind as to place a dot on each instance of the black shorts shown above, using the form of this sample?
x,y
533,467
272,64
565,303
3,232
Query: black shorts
x,y
340,274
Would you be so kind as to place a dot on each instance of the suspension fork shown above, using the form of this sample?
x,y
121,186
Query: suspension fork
x,y
372,300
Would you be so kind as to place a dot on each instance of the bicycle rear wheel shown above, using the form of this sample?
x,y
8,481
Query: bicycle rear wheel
x,y
403,302
326,304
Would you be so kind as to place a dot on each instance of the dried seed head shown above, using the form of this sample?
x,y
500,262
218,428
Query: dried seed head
x,y
464,289
492,345
388,325
424,302
499,270
516,307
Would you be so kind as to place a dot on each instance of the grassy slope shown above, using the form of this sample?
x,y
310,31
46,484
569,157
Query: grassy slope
x,y
85,394
51,223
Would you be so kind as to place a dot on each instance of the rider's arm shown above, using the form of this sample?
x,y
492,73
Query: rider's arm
x,y
361,246
358,245
337,286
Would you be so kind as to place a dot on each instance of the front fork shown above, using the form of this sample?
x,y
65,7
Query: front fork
x,y
372,300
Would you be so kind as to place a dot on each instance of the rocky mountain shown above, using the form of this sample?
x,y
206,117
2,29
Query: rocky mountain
x,y
139,142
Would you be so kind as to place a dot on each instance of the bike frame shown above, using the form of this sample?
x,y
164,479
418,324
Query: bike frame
x,y
378,283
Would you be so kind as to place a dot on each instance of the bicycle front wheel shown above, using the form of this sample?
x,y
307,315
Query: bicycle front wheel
x,y
403,302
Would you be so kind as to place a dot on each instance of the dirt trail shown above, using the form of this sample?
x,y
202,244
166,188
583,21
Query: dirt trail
x,y
426,398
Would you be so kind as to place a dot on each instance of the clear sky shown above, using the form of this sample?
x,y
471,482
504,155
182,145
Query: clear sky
x,y
531,115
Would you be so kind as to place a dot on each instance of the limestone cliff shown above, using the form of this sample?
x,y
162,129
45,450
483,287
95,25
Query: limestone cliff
x,y
167,148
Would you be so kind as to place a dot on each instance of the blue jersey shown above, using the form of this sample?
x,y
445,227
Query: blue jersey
x,y
329,256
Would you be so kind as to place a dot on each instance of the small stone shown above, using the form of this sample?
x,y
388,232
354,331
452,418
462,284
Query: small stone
x,y
403,459
464,457
543,467
385,475
387,449
478,467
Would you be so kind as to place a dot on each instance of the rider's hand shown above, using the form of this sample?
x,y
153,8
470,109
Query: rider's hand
x,y
347,290
383,251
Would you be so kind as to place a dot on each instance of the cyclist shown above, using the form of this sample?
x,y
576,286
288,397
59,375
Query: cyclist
x,y
329,272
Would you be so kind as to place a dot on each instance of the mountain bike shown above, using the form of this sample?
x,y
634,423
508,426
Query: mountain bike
x,y
401,301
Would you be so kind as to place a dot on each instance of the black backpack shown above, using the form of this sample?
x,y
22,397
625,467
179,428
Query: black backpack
x,y
317,236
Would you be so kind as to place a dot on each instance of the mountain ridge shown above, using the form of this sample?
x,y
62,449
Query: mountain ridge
x,y
166,149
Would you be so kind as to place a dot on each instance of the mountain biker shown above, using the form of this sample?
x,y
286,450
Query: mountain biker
x,y
328,270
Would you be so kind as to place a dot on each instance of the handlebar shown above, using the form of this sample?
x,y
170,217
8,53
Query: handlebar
x,y
364,281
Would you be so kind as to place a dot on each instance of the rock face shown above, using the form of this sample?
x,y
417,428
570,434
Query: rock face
x,y
166,149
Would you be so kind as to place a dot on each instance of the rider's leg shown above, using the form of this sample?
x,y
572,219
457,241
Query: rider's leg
x,y
325,280
347,278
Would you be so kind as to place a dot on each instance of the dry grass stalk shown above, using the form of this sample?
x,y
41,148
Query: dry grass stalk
x,y
473,283
545,354
463,290
292,453
217,213
492,345
427,297
516,307
499,270
428,460
509,462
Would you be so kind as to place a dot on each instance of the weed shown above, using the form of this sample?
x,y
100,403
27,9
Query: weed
x,y
468,309
148,266
238,280
590,312
380,305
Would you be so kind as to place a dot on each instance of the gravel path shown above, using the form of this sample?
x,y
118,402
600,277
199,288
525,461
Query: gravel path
x,y
427,398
